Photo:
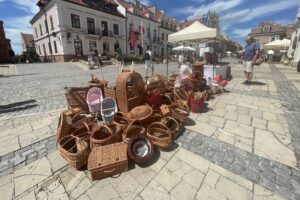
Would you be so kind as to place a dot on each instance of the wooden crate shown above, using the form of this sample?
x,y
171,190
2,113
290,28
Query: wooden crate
x,y
108,160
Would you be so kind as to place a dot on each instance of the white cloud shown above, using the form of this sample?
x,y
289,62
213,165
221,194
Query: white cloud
x,y
27,5
217,5
241,33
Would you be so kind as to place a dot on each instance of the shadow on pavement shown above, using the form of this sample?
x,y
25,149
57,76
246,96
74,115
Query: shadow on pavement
x,y
18,106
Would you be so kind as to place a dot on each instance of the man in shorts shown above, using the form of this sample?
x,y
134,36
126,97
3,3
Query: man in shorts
x,y
250,55
148,61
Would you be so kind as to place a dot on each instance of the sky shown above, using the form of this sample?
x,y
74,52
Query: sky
x,y
237,17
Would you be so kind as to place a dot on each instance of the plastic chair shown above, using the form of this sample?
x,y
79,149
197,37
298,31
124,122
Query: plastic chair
x,y
108,109
93,99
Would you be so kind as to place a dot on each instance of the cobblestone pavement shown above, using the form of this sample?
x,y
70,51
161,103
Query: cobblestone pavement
x,y
244,145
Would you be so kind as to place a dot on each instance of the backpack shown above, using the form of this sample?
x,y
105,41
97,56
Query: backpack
x,y
147,56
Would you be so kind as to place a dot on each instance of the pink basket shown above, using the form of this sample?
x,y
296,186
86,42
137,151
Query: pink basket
x,y
93,99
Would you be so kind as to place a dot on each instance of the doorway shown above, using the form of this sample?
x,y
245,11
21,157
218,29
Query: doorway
x,y
78,48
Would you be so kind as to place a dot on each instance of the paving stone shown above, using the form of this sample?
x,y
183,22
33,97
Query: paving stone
x,y
232,190
167,179
219,112
194,178
256,113
231,116
81,188
244,119
211,178
27,196
203,128
184,191
270,116
242,110
206,192
155,191
217,121
276,128
52,189
31,175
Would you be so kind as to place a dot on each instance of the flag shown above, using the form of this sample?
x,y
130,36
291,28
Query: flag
x,y
142,35
132,37
149,35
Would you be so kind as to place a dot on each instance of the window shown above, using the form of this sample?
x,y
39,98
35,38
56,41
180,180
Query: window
x,y
104,28
75,21
50,48
51,23
266,28
106,46
36,33
46,26
55,46
44,49
91,25
163,36
39,47
116,29
41,32
92,45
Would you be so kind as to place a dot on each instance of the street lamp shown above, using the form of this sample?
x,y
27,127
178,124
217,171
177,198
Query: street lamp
x,y
41,4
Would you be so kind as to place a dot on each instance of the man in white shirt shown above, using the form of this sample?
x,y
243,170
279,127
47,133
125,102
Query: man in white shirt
x,y
148,61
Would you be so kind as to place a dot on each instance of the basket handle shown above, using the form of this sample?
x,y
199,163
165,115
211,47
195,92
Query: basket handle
x,y
167,96
77,115
86,126
107,128
173,119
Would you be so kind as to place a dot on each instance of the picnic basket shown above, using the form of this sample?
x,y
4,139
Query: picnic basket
x,y
109,160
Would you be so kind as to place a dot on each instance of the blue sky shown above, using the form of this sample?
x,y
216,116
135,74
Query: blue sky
x,y
237,16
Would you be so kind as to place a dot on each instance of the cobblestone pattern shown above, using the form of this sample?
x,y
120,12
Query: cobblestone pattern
x,y
40,87
289,97
24,156
277,177
255,93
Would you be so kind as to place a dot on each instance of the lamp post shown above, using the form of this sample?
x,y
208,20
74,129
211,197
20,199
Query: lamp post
x,y
42,5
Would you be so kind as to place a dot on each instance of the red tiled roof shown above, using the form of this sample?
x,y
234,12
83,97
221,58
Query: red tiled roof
x,y
27,39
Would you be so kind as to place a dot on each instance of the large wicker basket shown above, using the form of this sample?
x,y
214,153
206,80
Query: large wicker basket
x,y
180,111
74,151
130,91
95,82
160,135
108,160
110,92
76,97
121,119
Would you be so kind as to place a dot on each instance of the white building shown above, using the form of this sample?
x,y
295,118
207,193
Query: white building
x,y
294,49
138,16
73,28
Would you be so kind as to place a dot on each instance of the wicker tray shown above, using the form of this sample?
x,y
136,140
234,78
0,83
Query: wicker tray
x,y
108,160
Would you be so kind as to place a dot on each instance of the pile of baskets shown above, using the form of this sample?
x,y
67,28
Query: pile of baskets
x,y
151,114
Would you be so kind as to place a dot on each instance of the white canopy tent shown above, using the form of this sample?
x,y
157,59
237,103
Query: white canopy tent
x,y
196,32
183,48
277,44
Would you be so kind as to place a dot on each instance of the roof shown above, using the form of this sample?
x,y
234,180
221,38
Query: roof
x,y
187,23
140,11
27,39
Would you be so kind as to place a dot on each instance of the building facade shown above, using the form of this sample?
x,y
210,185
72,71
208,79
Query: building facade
x,y
150,25
269,31
68,29
294,48
5,45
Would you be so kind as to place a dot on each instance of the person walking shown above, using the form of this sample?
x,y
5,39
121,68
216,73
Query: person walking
x,y
148,61
250,55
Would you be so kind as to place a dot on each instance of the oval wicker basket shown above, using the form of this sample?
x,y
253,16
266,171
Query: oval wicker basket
x,y
117,131
74,151
83,133
180,111
171,123
101,137
134,128
140,113
121,119
160,135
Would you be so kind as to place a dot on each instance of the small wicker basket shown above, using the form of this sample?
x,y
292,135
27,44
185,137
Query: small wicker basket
x,y
160,135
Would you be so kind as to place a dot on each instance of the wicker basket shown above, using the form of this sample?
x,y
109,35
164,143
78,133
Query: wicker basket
x,y
121,119
74,151
63,129
76,97
134,128
180,111
108,160
172,124
142,113
101,137
80,118
130,91
156,82
95,82
83,133
181,94
160,135
110,92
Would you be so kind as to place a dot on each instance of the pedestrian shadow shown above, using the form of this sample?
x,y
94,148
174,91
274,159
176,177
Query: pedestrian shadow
x,y
9,76
256,83
18,106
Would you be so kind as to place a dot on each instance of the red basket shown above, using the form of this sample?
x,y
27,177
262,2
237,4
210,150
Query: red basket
x,y
154,98
196,105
